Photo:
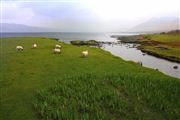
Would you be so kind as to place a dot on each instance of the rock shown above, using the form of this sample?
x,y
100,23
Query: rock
x,y
156,69
140,63
175,67
89,42
162,48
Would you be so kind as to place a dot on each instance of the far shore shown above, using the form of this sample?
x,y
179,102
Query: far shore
x,y
164,46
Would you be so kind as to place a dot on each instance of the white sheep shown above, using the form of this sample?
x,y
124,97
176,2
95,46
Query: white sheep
x,y
58,46
19,48
57,50
34,46
84,53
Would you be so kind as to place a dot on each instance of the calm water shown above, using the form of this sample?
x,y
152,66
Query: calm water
x,y
67,37
125,51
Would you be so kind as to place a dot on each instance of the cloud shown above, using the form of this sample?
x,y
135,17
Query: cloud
x,y
12,10
130,9
18,13
86,15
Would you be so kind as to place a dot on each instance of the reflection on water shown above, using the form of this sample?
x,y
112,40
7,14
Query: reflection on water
x,y
128,52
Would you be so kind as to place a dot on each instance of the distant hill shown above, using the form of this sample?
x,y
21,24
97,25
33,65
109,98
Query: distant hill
x,y
7,27
174,32
157,25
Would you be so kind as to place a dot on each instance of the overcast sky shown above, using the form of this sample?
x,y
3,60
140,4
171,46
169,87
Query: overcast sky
x,y
86,15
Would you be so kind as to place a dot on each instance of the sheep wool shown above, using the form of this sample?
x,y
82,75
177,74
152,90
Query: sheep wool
x,y
58,46
84,53
56,50
34,45
19,48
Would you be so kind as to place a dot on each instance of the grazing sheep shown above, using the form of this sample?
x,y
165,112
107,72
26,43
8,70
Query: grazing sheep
x,y
56,50
19,48
58,46
84,53
34,46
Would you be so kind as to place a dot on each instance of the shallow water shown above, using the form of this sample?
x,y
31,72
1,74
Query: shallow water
x,y
125,51
133,54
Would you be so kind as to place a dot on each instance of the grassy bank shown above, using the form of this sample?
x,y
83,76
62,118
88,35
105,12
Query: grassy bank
x,y
163,45
37,84
160,45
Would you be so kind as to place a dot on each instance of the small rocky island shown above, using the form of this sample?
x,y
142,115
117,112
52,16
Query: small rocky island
x,y
88,43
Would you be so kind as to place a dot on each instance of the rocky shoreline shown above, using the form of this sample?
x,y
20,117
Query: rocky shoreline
x,y
145,41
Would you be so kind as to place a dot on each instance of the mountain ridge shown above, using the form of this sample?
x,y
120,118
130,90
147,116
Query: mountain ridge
x,y
157,25
9,27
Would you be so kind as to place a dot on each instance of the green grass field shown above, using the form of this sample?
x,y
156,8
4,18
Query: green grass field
x,y
163,45
37,84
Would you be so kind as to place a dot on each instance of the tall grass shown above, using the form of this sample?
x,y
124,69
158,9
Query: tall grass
x,y
112,96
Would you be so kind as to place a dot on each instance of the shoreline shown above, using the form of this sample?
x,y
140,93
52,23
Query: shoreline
x,y
151,47
169,58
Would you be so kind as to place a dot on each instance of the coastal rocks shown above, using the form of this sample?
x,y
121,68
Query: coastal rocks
x,y
92,43
89,43
175,67
162,48
115,36
109,43
131,39
144,54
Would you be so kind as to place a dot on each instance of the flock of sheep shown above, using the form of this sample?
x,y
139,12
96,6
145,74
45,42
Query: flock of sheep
x,y
56,50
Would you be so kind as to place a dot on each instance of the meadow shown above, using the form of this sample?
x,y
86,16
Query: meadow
x,y
37,84
162,45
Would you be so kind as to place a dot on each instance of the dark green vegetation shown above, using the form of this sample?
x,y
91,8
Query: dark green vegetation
x,y
160,45
130,39
37,84
89,43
